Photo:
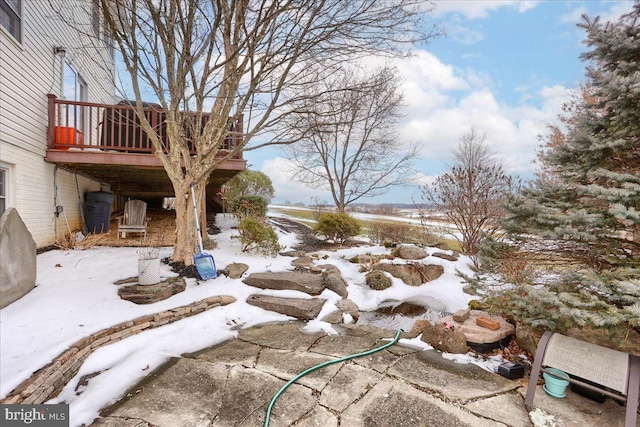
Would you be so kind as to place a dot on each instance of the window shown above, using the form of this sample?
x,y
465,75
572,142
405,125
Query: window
x,y
11,17
95,17
4,189
106,36
73,89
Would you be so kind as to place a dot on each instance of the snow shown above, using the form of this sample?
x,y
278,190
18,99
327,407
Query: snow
x,y
75,296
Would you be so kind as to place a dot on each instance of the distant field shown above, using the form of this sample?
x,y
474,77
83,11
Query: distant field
x,y
305,216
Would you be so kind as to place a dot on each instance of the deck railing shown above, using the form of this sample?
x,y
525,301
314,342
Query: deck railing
x,y
106,127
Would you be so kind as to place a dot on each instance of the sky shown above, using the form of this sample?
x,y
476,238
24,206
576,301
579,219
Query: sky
x,y
75,297
503,68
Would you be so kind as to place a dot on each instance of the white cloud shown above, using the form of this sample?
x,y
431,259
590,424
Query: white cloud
x,y
511,131
462,32
420,179
280,171
442,104
478,9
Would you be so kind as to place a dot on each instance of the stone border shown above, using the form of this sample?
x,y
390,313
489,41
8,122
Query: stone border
x,y
47,382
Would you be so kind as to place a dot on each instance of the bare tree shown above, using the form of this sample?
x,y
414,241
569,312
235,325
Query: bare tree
x,y
224,59
472,193
345,139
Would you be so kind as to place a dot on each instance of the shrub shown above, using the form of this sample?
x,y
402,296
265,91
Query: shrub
x,y
249,206
337,226
378,281
255,234
396,232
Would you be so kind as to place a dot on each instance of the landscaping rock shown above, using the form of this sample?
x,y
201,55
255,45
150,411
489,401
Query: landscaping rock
x,y
328,267
302,262
312,284
293,254
527,338
412,274
18,260
377,280
410,252
148,294
335,318
333,281
445,256
448,341
236,270
443,246
420,325
477,334
347,306
305,309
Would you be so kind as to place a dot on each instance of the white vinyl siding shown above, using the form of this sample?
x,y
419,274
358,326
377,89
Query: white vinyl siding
x,y
28,71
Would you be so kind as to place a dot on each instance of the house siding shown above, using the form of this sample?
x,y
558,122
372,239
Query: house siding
x,y
28,72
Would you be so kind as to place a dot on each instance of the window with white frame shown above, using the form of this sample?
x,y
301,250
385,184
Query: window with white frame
x,y
4,189
11,17
74,88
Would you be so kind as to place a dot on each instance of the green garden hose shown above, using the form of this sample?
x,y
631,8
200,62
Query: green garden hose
x,y
322,365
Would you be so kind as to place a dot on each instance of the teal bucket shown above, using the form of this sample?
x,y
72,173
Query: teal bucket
x,y
555,382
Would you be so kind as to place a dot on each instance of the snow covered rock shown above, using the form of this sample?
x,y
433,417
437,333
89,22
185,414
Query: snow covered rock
x,y
412,274
312,284
305,309
410,252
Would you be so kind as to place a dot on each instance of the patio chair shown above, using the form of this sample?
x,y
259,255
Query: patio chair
x,y
134,219
617,371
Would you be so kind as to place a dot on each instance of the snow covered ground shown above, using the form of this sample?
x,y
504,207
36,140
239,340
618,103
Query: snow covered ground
x,y
75,296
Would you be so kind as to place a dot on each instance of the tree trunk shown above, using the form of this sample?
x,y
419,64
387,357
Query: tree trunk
x,y
185,228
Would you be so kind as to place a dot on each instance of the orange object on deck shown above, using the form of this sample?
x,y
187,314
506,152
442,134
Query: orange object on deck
x,y
66,136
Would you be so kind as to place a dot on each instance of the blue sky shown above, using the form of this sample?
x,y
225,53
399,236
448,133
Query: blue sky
x,y
503,67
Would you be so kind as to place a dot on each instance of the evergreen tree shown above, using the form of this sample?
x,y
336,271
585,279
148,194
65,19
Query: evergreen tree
x,y
585,208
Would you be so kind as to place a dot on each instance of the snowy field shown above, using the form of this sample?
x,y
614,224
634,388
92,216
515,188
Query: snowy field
x,y
75,296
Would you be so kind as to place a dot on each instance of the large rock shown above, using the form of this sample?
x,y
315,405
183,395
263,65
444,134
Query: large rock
x,y
527,337
446,340
236,270
344,306
412,274
312,284
305,309
293,254
410,252
477,334
333,281
18,260
446,256
302,262
148,294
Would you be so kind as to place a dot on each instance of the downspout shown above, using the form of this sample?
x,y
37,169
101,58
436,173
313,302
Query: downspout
x,y
55,201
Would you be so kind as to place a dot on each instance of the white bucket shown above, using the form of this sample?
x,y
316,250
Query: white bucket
x,y
149,271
